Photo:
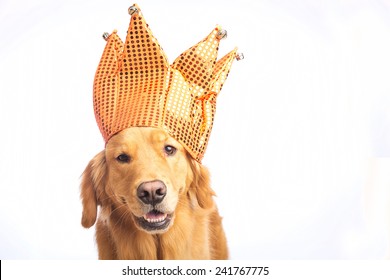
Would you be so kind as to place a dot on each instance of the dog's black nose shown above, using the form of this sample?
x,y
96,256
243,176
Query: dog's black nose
x,y
152,192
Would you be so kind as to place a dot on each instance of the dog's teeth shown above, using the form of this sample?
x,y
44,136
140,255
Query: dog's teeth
x,y
149,220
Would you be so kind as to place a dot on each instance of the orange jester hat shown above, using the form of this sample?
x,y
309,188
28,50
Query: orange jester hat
x,y
135,86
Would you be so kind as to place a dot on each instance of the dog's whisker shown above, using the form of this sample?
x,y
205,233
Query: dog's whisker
x,y
117,209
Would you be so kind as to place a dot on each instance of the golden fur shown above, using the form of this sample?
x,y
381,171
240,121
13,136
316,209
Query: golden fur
x,y
195,230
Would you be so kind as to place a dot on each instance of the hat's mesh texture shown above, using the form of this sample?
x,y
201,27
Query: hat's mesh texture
x,y
135,86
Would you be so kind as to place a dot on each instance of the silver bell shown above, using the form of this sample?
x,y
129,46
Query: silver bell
x,y
106,35
239,56
222,34
133,10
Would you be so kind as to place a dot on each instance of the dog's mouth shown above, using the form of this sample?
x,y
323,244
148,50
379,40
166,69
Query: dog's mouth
x,y
154,221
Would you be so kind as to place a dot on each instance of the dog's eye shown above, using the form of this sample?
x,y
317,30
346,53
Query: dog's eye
x,y
170,150
123,158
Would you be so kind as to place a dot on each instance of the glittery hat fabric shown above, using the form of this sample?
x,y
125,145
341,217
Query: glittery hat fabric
x,y
135,86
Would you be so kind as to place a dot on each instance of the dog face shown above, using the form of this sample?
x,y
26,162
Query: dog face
x,y
143,172
147,171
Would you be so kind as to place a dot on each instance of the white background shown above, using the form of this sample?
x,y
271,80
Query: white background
x,y
300,149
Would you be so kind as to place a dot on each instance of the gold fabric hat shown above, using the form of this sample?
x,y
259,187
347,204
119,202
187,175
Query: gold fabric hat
x,y
135,85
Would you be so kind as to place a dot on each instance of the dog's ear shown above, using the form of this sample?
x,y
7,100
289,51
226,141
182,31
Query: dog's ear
x,y
201,185
91,185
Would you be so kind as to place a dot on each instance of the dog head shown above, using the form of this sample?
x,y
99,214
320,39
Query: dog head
x,y
143,174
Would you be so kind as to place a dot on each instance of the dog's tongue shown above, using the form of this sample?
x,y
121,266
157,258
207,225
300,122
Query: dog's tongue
x,y
155,216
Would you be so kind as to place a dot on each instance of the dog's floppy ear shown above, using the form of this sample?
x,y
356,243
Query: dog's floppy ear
x,y
201,185
91,184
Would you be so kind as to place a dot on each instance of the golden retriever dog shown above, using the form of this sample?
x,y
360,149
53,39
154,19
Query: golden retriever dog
x,y
155,200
